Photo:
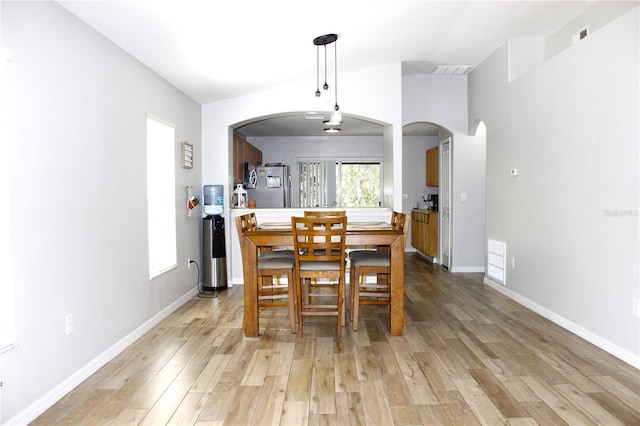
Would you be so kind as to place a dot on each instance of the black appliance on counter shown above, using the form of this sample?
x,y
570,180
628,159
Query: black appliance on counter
x,y
432,201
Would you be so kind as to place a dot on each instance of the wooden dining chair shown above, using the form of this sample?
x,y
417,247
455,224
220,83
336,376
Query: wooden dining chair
x,y
319,247
270,267
324,213
249,222
368,262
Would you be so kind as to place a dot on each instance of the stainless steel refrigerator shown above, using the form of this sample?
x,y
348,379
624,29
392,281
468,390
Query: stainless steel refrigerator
x,y
273,186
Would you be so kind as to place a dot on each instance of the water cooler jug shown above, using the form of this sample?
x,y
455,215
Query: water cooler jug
x,y
213,199
215,258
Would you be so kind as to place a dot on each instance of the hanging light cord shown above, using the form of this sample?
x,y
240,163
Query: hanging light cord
x,y
335,63
317,71
326,86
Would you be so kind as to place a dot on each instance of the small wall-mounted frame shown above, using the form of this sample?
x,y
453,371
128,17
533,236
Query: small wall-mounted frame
x,y
187,155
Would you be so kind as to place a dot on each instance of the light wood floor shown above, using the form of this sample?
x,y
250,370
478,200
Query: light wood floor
x,y
469,356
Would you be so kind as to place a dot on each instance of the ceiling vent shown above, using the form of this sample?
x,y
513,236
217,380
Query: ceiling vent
x,y
451,69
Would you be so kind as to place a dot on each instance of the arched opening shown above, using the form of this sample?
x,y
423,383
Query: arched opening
x,y
420,148
291,137
461,193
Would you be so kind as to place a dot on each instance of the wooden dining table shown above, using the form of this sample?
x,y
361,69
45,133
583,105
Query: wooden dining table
x,y
358,234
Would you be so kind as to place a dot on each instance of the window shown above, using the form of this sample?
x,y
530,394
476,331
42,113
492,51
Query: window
x,y
335,183
313,183
358,184
161,204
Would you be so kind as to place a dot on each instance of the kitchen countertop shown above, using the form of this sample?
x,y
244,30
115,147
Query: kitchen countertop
x,y
425,210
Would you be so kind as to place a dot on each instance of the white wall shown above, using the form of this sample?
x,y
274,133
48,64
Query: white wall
x,y
595,17
414,169
77,134
468,200
382,105
570,217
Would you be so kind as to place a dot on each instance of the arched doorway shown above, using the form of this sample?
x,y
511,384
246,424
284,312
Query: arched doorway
x,y
461,235
417,139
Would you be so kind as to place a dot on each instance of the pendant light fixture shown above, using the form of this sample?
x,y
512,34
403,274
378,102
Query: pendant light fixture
x,y
324,40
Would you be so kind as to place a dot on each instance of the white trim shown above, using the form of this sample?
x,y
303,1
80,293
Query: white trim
x,y
54,395
599,341
8,338
467,269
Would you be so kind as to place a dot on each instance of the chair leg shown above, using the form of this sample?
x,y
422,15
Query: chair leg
x,y
343,303
299,304
352,288
355,299
340,302
293,319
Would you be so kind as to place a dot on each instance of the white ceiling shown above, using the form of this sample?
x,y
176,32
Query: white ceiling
x,y
213,50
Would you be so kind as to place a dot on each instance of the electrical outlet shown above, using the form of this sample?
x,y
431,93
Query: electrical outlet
x,y
68,321
635,307
513,262
188,263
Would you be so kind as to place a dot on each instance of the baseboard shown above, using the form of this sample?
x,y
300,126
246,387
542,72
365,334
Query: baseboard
x,y
467,269
599,341
29,414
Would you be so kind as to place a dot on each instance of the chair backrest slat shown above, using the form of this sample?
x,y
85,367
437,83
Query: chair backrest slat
x,y
247,222
319,238
324,213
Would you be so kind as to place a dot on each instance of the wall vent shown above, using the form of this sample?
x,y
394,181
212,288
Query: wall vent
x,y
496,260
580,34
451,69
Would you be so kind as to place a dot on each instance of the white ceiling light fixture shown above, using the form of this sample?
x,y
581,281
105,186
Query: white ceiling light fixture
x,y
324,40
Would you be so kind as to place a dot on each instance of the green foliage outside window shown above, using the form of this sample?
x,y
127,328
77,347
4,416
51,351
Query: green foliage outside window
x,y
359,184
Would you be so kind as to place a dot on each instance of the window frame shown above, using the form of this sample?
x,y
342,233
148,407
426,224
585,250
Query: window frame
x,y
161,194
333,167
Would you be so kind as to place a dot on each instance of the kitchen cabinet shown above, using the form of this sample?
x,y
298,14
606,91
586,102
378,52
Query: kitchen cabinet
x,y
424,231
243,152
251,154
238,161
433,169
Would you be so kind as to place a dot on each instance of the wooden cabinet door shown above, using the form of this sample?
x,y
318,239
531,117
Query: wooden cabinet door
x,y
419,231
249,153
416,238
432,232
238,160
243,152
433,171
424,238
424,232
